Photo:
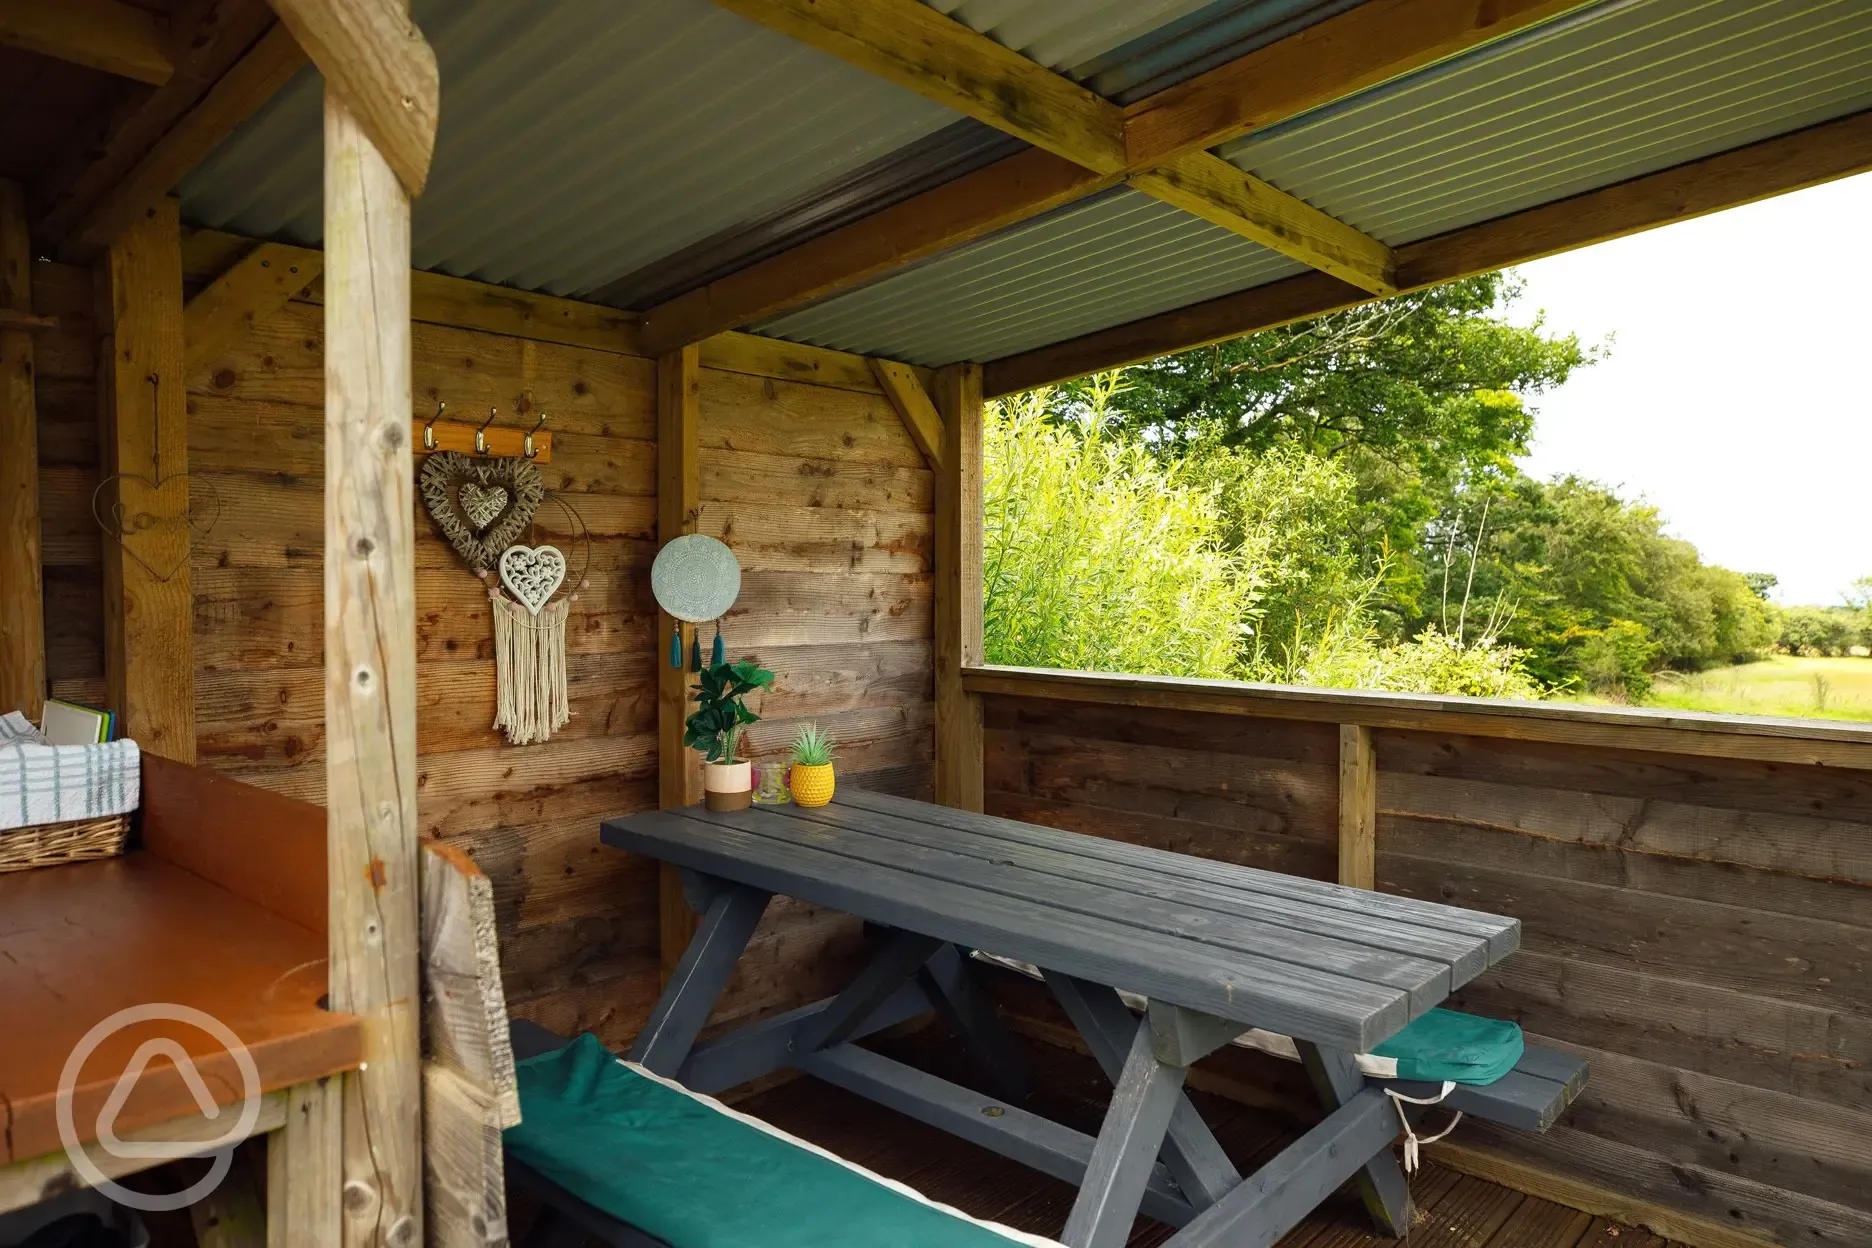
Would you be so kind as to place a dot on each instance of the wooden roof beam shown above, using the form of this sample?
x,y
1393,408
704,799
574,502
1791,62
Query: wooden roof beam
x,y
375,60
924,51
1360,48
1790,162
253,80
1004,193
1213,189
105,35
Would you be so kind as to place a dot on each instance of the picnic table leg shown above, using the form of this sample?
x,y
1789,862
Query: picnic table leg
x,y
1192,1155
902,956
949,980
733,912
1381,1183
1128,1143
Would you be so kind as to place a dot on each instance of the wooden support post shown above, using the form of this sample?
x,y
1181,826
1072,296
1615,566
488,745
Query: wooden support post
x,y
959,586
679,489
370,679
304,1162
1358,807
22,602
149,612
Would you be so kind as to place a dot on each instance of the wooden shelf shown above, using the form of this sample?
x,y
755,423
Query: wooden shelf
x,y
222,911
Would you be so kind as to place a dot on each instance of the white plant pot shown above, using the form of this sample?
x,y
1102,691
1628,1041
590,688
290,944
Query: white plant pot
x,y
727,786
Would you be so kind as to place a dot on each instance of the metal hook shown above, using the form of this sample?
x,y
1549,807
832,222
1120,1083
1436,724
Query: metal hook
x,y
529,450
481,446
429,438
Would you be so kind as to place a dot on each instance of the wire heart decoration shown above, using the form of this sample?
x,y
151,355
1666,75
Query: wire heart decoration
x,y
124,520
480,505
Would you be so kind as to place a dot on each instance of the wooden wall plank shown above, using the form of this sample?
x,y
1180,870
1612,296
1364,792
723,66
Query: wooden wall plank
x,y
149,656
22,598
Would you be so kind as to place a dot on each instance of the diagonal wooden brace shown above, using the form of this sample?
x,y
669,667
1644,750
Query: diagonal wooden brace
x,y
379,66
690,995
1191,1153
898,962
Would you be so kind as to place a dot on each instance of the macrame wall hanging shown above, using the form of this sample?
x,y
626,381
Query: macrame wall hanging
x,y
695,579
483,504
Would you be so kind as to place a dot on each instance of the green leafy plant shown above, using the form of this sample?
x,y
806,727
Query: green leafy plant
x,y
813,747
721,708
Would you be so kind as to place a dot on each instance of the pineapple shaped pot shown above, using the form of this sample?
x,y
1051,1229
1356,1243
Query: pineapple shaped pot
x,y
811,781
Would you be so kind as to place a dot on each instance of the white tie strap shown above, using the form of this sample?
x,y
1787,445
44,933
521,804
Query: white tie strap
x,y
1412,1142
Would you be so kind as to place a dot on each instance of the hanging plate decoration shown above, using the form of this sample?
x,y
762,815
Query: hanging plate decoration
x,y
695,578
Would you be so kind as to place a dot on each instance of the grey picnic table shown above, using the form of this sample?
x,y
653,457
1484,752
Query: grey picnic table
x,y
1216,948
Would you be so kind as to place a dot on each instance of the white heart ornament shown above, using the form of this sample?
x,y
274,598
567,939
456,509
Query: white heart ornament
x,y
532,574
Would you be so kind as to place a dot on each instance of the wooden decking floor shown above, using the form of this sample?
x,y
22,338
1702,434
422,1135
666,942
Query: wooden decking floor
x,y
1453,1210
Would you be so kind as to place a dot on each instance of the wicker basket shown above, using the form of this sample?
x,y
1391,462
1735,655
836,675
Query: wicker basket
x,y
49,844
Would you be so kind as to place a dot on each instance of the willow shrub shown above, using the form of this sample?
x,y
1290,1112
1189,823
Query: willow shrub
x,y
1097,557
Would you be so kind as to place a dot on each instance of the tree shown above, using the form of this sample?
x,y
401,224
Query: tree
x,y
1818,630
1761,584
1435,379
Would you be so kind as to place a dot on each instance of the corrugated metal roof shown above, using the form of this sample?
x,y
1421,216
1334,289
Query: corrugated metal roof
x,y
1065,35
1103,261
581,140
652,187
1620,90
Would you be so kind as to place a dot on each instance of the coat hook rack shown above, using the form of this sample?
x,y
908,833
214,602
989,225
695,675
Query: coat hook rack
x,y
486,439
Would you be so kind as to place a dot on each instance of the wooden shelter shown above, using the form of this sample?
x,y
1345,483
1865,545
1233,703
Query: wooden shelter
x,y
757,264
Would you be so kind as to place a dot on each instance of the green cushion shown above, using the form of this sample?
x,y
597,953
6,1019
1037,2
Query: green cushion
x,y
695,1175
1446,1046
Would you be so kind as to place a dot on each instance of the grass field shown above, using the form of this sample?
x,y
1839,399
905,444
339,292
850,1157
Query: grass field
x,y
1779,685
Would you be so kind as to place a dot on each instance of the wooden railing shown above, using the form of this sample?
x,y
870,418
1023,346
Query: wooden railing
x,y
1695,893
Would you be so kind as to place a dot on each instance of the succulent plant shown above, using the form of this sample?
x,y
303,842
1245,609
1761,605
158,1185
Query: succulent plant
x,y
812,746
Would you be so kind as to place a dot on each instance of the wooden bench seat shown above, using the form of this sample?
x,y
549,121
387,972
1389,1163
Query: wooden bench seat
x,y
669,1162
1530,1097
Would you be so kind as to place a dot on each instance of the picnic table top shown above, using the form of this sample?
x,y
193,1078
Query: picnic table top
x,y
1342,967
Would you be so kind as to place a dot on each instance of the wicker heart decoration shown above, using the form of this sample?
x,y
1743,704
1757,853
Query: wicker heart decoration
x,y
480,505
532,574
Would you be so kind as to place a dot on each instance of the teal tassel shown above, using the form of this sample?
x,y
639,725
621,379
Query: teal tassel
x,y
675,647
695,652
721,655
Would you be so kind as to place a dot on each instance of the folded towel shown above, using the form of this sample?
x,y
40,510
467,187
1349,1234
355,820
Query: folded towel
x,y
45,783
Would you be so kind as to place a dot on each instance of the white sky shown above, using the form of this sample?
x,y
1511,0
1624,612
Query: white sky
x,y
1738,394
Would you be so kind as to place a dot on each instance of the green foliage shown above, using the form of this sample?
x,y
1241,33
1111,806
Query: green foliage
x,y
1432,662
1337,503
1296,521
1819,630
1099,557
813,746
721,708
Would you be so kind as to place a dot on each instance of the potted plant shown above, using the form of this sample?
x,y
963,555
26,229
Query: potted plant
x,y
812,766
715,729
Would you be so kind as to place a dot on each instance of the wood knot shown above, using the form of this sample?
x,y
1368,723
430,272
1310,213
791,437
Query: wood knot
x,y
358,1196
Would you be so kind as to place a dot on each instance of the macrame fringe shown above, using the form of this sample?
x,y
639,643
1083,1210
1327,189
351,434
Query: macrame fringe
x,y
529,669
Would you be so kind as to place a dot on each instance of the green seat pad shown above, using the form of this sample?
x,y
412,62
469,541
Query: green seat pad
x,y
1445,1046
696,1175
